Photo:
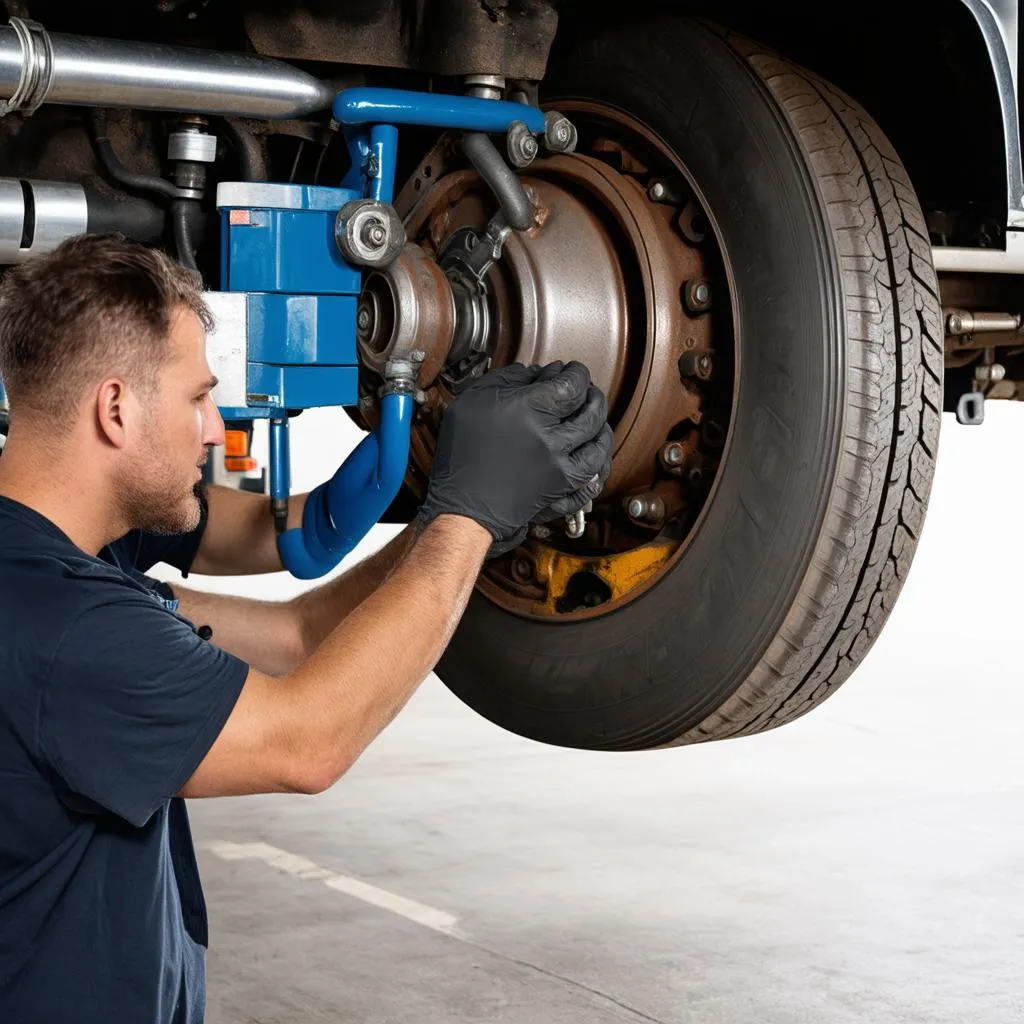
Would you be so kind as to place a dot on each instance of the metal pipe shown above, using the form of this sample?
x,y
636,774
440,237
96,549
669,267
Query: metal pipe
x,y
953,260
506,186
963,321
37,67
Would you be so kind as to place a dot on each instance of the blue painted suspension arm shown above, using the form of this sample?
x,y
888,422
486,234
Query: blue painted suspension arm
x,y
340,512
369,115
367,105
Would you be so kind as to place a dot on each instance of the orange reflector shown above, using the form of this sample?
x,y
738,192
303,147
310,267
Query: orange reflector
x,y
240,216
236,442
239,463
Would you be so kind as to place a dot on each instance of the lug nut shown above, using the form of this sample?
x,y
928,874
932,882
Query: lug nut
x,y
522,569
697,296
645,508
672,454
696,364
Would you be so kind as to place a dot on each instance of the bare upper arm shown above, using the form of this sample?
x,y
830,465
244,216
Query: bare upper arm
x,y
260,748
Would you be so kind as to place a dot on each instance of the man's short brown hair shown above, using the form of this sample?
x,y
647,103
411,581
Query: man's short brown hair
x,y
94,307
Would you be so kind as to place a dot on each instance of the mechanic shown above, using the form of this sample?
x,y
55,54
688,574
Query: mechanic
x,y
116,699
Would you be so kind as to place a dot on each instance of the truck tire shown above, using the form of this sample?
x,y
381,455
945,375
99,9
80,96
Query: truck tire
x,y
810,531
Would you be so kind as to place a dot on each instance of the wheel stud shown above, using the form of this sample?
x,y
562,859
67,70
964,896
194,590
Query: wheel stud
x,y
661,191
696,364
647,509
672,455
697,296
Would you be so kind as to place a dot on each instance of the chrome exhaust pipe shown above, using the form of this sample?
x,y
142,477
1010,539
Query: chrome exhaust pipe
x,y
39,67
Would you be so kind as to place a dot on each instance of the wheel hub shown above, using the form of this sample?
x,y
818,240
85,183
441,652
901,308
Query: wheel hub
x,y
620,272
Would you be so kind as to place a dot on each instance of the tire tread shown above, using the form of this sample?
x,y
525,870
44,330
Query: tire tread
x,y
894,394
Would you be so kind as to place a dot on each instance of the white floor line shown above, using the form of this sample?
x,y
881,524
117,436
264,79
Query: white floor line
x,y
301,867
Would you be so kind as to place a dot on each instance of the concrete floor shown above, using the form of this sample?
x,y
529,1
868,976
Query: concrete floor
x,y
862,865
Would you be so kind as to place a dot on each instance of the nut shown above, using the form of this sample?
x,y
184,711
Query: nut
x,y
697,296
672,454
696,364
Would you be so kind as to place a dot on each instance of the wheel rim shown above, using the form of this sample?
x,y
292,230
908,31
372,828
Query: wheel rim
x,y
634,309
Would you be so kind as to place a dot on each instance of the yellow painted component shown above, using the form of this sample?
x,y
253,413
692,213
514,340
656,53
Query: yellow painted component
x,y
622,572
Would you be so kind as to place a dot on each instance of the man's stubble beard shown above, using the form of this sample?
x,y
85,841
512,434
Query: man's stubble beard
x,y
153,509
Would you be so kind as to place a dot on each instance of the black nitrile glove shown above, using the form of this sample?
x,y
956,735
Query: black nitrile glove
x,y
522,442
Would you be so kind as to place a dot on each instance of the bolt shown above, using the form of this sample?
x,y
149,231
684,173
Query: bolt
x,y
672,454
374,234
696,364
522,569
540,532
417,355
697,296
661,191
956,324
521,145
559,133
364,320
646,508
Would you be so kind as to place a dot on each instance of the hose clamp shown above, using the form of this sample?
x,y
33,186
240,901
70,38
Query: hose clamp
x,y
36,68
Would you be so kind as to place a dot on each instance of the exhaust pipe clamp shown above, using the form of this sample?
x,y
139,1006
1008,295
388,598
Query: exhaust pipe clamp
x,y
36,68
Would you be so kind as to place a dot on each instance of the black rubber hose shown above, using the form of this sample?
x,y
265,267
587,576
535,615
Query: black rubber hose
x,y
249,149
138,219
491,166
181,212
117,170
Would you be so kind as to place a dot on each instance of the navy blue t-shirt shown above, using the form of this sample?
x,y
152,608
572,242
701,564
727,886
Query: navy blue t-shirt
x,y
108,702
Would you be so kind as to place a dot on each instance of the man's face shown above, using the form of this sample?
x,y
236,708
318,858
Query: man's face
x,y
177,424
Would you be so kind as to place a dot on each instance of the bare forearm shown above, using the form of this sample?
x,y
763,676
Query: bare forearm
x,y
263,633
370,665
317,612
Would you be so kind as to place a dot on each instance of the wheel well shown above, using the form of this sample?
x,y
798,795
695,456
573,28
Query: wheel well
x,y
927,81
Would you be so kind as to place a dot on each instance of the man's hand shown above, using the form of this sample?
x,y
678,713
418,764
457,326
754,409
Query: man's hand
x,y
522,443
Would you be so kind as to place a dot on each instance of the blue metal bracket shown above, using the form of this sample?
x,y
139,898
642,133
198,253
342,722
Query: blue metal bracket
x,y
278,246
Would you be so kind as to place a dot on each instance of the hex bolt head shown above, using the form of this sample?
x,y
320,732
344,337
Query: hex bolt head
x,y
696,364
520,144
657,191
697,296
559,133
364,319
635,508
672,454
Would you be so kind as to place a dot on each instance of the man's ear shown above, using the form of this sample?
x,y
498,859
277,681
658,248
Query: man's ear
x,y
112,411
